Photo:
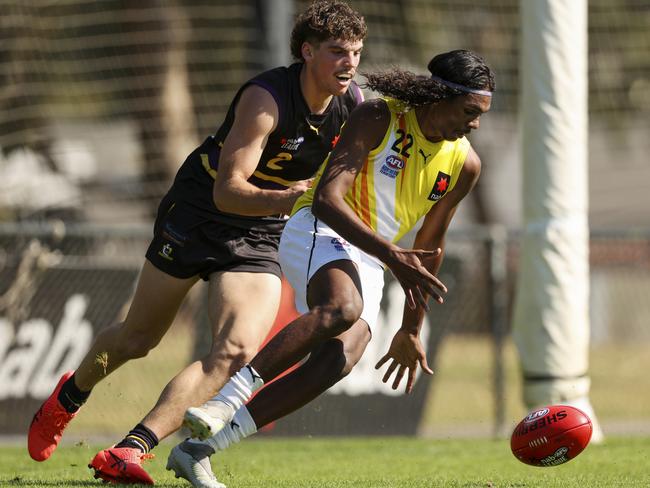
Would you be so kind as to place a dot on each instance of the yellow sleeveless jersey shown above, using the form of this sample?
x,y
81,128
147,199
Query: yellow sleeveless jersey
x,y
402,178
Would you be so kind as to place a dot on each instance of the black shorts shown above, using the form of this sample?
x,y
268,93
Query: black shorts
x,y
189,242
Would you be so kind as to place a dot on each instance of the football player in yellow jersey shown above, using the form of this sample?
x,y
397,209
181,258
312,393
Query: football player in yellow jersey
x,y
397,159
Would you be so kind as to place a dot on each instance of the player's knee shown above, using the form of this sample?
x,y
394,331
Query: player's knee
x,y
348,313
338,317
334,360
230,355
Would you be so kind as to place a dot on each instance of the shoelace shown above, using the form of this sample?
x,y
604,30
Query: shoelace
x,y
121,462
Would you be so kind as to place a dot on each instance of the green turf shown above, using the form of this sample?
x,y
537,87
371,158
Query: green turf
x,y
376,462
460,395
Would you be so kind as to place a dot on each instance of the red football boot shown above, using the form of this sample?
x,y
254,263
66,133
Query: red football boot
x,y
48,424
121,465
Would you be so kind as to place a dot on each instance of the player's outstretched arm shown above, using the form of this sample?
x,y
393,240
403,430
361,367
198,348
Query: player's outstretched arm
x,y
406,351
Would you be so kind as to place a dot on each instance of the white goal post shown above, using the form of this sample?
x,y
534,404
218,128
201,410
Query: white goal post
x,y
551,322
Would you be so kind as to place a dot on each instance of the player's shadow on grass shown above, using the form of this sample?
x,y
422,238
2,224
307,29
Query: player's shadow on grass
x,y
59,483
490,484
69,484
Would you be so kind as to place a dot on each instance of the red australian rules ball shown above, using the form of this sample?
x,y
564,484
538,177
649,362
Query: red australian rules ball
x,y
551,435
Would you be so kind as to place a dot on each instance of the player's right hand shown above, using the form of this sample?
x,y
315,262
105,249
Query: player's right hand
x,y
405,353
416,280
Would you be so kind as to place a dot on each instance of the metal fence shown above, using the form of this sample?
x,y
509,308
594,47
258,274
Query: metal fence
x,y
60,284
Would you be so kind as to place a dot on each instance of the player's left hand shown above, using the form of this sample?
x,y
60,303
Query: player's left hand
x,y
406,352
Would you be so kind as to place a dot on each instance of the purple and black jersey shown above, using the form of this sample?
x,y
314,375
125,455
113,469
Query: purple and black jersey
x,y
293,152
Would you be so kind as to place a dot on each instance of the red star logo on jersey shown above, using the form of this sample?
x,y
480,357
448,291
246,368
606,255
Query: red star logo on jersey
x,y
335,140
440,186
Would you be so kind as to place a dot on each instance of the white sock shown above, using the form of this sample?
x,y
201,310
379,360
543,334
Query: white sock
x,y
241,426
240,387
243,422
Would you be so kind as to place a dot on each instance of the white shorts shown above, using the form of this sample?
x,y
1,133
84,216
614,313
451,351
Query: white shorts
x,y
308,243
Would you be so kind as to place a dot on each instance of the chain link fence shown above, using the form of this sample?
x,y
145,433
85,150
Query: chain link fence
x,y
60,284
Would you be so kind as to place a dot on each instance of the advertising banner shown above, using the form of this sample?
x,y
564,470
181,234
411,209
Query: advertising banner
x,y
51,332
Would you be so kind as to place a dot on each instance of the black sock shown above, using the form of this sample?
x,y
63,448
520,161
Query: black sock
x,y
71,397
141,438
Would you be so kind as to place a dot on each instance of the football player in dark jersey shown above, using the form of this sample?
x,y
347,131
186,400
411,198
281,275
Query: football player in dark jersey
x,y
221,222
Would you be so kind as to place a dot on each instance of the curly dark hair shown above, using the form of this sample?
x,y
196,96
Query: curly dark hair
x,y
327,19
460,66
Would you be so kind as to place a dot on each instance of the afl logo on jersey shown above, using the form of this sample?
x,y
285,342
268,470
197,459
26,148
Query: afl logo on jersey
x,y
440,186
392,166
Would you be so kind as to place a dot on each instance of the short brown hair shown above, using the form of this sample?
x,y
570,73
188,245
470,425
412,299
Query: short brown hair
x,y
327,19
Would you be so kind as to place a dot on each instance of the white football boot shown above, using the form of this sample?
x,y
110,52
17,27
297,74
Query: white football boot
x,y
193,466
208,419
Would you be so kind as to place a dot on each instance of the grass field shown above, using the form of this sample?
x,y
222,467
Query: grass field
x,y
461,395
460,402
362,462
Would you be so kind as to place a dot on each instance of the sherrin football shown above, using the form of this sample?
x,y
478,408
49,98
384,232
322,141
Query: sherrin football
x,y
551,435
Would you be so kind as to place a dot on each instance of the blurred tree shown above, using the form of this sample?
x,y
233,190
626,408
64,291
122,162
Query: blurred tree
x,y
24,125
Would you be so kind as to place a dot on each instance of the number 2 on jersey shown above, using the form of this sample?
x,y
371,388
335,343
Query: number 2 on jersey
x,y
275,163
405,149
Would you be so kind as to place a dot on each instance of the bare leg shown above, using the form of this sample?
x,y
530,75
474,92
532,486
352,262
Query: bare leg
x,y
334,298
242,309
335,303
330,363
336,306
155,304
